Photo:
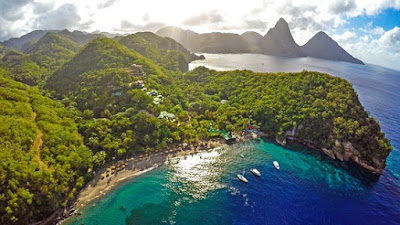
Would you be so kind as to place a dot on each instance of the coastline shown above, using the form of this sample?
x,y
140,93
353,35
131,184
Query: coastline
x,y
99,187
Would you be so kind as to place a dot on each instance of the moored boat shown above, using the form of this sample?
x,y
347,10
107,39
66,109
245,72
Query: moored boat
x,y
256,172
242,178
276,164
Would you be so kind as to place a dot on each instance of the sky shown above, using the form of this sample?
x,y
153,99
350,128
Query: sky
x,y
367,29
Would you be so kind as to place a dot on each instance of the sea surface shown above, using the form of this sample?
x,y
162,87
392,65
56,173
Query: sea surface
x,y
308,189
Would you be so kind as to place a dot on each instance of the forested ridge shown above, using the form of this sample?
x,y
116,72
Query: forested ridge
x,y
37,63
324,109
43,159
103,102
164,51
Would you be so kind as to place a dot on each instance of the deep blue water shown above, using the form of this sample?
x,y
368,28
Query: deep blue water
x,y
309,189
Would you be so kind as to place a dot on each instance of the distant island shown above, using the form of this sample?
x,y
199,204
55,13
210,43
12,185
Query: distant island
x,y
74,103
277,42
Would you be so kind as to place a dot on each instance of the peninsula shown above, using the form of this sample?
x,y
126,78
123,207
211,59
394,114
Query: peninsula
x,y
71,104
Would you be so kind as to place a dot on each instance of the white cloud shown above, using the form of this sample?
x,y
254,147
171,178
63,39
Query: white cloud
x,y
204,18
370,29
378,31
345,37
305,17
364,39
384,50
391,39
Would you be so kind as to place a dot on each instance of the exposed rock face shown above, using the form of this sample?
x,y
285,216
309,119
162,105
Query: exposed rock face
x,y
343,151
279,41
323,47
346,152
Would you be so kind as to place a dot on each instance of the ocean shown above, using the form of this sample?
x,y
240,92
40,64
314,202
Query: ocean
x,y
309,188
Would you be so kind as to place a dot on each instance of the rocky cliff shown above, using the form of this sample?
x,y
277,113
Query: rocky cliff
x,y
278,42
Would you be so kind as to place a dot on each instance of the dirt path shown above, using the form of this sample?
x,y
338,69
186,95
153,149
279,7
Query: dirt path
x,y
37,145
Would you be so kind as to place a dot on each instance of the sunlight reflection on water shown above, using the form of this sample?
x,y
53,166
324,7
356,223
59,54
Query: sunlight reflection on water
x,y
196,175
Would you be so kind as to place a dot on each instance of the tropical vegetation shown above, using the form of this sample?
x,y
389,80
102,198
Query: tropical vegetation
x,y
100,102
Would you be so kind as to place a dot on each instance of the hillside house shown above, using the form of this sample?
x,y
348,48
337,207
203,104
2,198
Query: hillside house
x,y
166,115
135,70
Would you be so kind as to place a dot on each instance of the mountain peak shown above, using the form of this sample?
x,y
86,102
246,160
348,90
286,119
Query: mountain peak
x,y
281,27
279,41
321,45
322,34
281,22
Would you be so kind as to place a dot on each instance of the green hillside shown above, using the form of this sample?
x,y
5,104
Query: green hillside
x,y
42,155
165,51
325,110
79,37
3,50
52,51
43,57
94,76
23,68
44,144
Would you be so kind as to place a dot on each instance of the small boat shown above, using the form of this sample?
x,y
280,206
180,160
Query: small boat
x,y
276,164
241,155
242,178
256,172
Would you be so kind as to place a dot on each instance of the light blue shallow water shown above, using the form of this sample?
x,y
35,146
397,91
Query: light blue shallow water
x,y
309,188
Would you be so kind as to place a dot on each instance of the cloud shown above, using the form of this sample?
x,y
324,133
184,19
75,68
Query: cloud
x,y
12,10
127,26
107,4
364,39
204,18
338,7
383,50
254,24
63,17
391,40
146,17
370,29
345,37
245,25
378,31
305,18
309,23
40,7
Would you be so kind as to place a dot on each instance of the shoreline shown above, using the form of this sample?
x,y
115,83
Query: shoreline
x,y
98,186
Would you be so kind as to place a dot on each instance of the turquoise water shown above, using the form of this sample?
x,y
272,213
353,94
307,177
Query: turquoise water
x,y
309,189
203,189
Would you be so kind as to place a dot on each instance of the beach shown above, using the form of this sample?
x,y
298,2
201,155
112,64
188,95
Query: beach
x,y
100,185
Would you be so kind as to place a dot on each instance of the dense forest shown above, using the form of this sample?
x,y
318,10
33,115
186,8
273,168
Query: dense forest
x,y
324,110
43,158
37,63
103,102
165,51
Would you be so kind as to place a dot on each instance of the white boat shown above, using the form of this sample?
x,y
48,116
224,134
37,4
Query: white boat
x,y
241,155
242,178
276,164
256,172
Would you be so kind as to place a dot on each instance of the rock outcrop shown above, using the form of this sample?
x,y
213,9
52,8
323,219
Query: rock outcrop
x,y
278,42
324,47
